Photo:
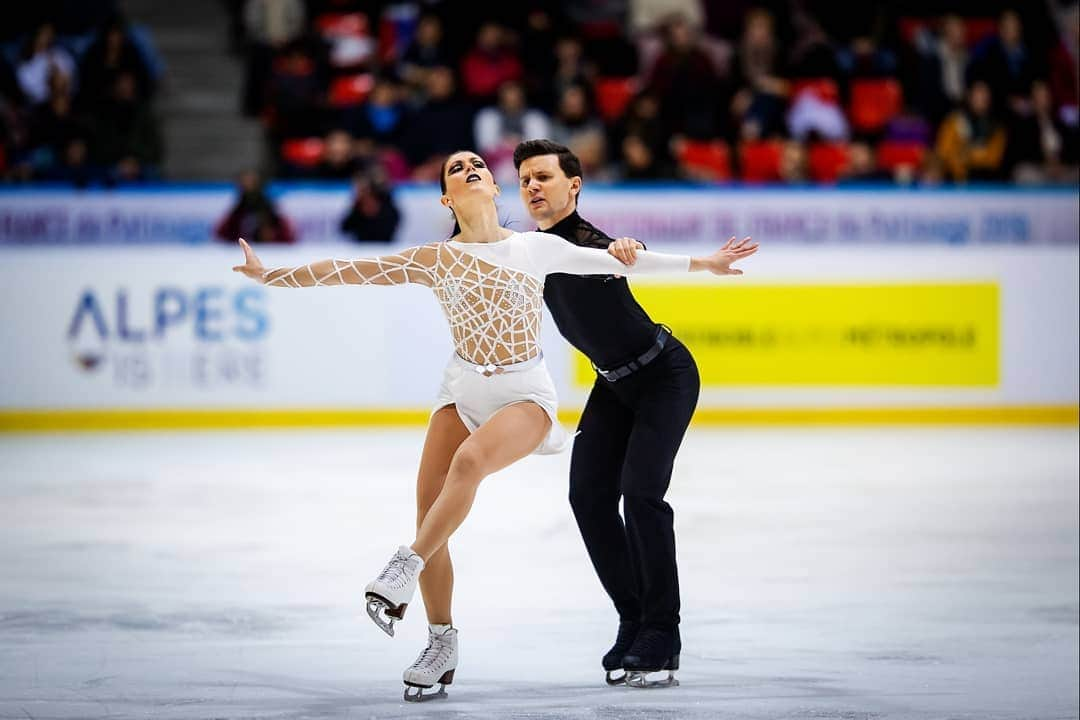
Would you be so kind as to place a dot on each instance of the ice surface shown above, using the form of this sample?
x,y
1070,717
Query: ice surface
x,y
826,574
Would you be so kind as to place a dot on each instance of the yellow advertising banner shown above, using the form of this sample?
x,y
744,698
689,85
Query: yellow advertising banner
x,y
932,335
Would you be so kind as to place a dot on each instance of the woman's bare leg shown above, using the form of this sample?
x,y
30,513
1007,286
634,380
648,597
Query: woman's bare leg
x,y
509,435
445,434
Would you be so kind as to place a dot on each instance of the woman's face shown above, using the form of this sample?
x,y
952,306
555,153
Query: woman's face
x,y
465,174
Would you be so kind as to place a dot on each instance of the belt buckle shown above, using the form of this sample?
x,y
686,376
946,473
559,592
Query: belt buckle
x,y
488,370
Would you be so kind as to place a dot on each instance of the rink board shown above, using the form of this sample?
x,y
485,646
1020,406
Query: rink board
x,y
169,337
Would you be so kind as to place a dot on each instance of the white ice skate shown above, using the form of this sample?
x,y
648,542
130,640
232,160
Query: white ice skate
x,y
389,594
436,664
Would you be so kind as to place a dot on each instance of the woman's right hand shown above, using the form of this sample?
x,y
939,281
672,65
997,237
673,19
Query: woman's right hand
x,y
252,266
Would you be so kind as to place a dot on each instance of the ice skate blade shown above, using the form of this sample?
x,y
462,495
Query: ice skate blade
x,y
640,680
415,693
614,681
382,613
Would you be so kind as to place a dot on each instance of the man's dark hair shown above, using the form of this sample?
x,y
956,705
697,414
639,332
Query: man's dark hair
x,y
568,161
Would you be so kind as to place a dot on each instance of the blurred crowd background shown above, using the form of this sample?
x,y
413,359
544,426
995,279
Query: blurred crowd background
x,y
686,90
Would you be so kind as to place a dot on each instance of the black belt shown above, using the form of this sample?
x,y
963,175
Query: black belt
x,y
662,335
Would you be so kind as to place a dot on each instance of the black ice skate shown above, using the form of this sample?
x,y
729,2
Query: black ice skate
x,y
655,650
613,660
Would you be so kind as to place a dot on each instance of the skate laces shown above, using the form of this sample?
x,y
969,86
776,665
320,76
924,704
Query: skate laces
x,y
436,653
394,573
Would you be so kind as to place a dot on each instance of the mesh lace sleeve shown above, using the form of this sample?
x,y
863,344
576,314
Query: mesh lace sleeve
x,y
415,265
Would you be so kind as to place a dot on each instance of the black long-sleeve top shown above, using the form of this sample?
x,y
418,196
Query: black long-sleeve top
x,y
597,314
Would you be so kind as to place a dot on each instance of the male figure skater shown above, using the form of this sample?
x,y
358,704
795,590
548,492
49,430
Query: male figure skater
x,y
645,393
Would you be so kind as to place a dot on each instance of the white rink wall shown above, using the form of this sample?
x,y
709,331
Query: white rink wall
x,y
858,299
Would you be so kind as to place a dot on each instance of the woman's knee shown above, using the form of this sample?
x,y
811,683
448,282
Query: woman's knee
x,y
467,465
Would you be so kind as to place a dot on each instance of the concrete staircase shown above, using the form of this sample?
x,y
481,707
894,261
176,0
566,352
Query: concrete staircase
x,y
206,137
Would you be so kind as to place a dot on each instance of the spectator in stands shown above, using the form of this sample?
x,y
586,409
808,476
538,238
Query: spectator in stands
x,y
41,57
866,58
112,52
1065,67
642,118
811,54
74,166
254,216
438,127
639,162
381,118
489,65
269,26
648,15
794,163
426,52
571,69
52,128
339,160
539,63
7,136
862,165
373,217
943,61
577,128
1041,147
971,141
295,89
686,82
1004,63
758,106
127,140
574,122
499,128
812,116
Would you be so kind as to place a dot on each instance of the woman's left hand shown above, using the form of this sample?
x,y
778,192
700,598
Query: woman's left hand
x,y
719,263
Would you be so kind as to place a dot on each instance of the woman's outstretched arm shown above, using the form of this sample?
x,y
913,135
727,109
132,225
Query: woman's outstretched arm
x,y
414,265
557,256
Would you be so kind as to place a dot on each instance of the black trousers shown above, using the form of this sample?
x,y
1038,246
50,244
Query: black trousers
x,y
630,431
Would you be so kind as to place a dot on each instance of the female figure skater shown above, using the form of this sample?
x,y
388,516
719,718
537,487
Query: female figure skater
x,y
497,402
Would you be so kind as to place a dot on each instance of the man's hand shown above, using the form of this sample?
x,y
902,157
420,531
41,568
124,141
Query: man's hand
x,y
719,263
252,266
625,250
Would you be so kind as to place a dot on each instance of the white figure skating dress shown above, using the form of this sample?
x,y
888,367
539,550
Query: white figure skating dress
x,y
492,295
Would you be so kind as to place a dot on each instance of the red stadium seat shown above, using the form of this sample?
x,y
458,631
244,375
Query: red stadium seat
x,y
706,160
350,90
874,102
891,154
302,152
976,28
979,28
760,160
827,161
613,94
825,89
335,25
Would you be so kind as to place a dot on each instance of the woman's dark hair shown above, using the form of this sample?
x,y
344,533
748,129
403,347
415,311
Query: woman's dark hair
x,y
442,186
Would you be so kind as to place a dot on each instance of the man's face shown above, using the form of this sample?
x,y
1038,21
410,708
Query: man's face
x,y
547,193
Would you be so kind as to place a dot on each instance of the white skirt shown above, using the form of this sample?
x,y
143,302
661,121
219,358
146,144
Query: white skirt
x,y
477,397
